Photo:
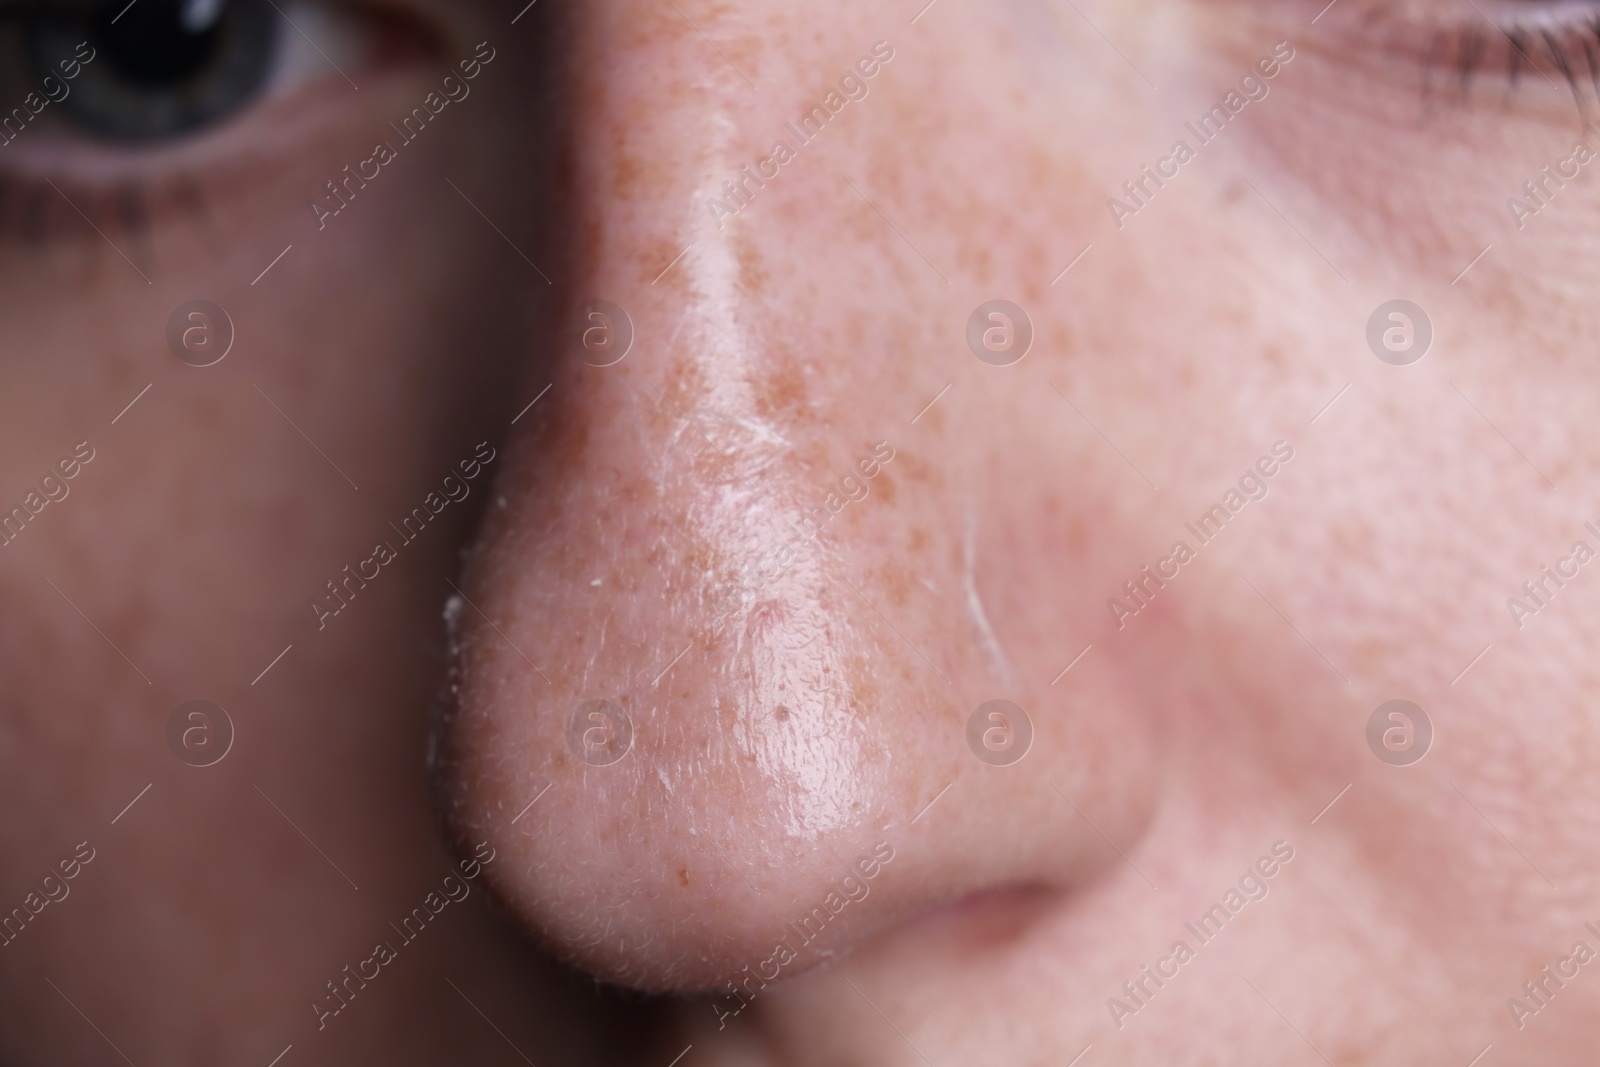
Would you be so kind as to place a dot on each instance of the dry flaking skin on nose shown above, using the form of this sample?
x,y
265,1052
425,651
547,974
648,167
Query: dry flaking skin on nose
x,y
729,549
778,724
750,688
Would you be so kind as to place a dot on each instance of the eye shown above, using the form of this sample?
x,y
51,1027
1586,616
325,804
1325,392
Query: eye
x,y
155,68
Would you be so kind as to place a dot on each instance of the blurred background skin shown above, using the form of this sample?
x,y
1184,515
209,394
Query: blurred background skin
x,y
774,745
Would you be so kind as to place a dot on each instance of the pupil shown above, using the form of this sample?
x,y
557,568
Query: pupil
x,y
152,44
160,68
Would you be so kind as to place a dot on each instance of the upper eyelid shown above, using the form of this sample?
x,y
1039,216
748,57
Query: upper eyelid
x,y
1456,43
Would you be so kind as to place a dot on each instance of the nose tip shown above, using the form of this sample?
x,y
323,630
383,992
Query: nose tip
x,y
673,717
700,709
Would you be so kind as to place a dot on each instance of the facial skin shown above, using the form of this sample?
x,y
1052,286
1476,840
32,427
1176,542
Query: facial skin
x,y
798,671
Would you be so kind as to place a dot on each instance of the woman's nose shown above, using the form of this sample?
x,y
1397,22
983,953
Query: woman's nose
x,y
722,651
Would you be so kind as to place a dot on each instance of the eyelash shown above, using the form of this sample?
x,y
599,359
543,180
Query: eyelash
x,y
32,210
1469,49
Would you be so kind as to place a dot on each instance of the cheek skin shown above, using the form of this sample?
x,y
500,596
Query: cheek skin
x,y
773,747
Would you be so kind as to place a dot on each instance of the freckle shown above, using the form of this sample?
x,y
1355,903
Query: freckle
x,y
752,277
683,874
781,714
1077,537
919,539
898,580
625,177
885,488
784,390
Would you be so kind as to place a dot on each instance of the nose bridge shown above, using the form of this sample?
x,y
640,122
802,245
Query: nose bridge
x,y
655,103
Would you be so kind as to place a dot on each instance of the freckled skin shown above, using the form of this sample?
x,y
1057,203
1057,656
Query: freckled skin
x,y
798,670
1193,739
